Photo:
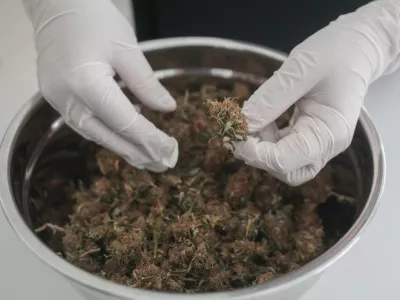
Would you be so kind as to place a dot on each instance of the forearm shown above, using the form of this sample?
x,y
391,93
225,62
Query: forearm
x,y
379,22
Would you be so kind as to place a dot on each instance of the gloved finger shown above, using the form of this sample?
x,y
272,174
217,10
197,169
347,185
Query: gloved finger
x,y
297,75
132,154
106,100
308,143
134,69
94,130
299,176
269,133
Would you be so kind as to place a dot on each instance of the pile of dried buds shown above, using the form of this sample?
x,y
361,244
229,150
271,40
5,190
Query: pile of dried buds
x,y
212,223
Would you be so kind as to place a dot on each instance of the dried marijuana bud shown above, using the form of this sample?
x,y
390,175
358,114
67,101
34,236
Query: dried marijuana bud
x,y
230,119
212,223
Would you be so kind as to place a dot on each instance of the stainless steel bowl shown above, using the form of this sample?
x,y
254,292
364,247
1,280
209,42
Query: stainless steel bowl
x,y
37,141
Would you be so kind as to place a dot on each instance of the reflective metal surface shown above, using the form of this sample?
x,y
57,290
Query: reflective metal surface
x,y
38,143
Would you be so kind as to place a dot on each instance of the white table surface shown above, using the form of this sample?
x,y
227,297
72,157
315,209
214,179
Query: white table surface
x,y
368,272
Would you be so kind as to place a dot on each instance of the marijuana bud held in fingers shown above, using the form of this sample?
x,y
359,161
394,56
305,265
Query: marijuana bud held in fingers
x,y
230,119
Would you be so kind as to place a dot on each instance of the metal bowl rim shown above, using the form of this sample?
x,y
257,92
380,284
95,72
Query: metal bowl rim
x,y
78,276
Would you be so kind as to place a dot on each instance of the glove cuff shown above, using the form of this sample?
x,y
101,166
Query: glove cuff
x,y
380,24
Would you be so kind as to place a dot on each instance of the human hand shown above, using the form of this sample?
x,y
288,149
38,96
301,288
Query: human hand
x,y
81,45
326,77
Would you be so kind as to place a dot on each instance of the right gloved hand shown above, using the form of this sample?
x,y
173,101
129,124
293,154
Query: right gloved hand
x,y
326,77
81,44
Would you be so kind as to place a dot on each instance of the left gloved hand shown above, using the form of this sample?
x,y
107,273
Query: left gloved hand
x,y
327,77
82,45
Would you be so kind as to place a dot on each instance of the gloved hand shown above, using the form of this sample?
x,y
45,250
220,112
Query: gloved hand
x,y
81,45
326,77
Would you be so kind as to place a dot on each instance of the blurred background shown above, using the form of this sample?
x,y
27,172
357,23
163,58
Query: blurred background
x,y
278,24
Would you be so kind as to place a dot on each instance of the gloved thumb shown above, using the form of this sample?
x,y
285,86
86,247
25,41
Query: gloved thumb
x,y
134,69
265,155
297,75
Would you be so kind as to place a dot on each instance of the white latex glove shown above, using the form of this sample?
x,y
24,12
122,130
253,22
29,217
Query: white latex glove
x,y
81,45
327,76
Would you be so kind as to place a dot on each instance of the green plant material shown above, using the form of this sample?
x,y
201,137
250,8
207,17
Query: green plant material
x,y
230,119
344,198
210,224
53,227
